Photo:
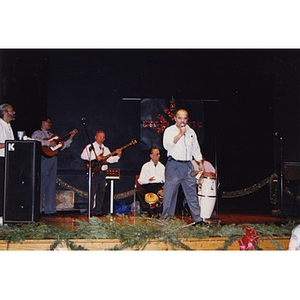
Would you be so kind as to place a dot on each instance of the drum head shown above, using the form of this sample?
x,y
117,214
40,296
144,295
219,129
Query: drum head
x,y
208,175
160,194
151,198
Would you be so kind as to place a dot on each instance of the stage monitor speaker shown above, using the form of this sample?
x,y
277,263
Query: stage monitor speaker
x,y
291,170
22,181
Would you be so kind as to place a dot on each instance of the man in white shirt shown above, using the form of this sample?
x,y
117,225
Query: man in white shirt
x,y
295,239
151,180
182,146
7,114
98,177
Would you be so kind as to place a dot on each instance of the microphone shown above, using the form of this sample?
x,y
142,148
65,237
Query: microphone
x,y
83,120
277,134
182,125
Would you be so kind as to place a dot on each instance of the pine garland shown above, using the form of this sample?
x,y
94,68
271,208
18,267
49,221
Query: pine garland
x,y
136,236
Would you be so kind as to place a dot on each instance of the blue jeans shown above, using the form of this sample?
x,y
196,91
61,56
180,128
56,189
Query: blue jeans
x,y
48,184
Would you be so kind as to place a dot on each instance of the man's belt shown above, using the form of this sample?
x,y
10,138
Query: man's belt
x,y
181,161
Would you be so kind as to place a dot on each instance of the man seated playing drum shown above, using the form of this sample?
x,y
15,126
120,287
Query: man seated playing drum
x,y
151,181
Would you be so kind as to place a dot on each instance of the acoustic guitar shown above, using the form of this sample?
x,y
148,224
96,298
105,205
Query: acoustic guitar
x,y
97,164
51,151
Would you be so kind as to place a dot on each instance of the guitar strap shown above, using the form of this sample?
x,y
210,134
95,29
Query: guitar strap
x,y
48,132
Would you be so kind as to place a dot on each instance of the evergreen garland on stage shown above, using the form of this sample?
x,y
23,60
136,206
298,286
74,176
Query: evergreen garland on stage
x,y
138,234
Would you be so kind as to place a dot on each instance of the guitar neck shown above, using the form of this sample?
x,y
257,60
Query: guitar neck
x,y
64,137
115,152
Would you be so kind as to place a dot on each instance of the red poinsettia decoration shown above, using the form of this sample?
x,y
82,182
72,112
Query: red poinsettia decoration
x,y
163,123
249,239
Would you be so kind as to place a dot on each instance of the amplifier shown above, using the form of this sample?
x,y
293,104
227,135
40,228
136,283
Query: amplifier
x,y
291,171
22,181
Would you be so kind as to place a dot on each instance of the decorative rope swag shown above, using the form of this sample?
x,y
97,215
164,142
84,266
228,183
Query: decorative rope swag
x,y
251,189
72,188
233,194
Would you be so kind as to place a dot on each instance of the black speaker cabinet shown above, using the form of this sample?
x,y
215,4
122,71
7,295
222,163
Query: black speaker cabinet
x,y
291,170
22,181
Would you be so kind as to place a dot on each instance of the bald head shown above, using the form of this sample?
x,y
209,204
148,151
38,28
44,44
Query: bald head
x,y
181,118
182,111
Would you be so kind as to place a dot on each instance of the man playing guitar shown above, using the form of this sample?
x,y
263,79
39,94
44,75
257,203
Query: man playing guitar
x,y
49,163
98,155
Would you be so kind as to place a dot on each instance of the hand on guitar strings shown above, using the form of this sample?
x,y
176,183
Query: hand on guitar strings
x,y
119,152
52,143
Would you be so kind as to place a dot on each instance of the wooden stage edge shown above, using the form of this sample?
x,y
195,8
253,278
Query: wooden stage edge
x,y
213,243
108,244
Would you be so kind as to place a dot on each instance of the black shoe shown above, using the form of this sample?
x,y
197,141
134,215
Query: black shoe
x,y
199,223
50,214
97,214
155,216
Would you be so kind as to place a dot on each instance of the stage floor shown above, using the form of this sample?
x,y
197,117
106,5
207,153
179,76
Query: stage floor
x,y
67,218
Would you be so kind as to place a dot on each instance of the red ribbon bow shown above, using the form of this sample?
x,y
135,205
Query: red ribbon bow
x,y
249,239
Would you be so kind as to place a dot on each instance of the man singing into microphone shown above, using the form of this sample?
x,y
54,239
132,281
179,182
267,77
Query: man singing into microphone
x,y
182,145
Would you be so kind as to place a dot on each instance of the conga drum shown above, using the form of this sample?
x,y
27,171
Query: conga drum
x,y
151,199
160,195
207,194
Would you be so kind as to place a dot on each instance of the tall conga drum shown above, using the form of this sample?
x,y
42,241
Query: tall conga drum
x,y
207,194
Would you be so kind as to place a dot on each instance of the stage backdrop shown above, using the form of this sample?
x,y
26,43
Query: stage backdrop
x,y
158,114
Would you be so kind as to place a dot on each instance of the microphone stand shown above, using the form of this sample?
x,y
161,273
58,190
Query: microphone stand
x,y
281,175
217,179
91,148
280,167
90,185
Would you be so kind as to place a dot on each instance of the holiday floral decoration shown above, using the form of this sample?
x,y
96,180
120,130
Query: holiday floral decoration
x,y
249,239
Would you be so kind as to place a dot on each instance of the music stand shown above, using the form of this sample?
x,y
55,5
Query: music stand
x,y
112,174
